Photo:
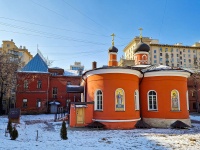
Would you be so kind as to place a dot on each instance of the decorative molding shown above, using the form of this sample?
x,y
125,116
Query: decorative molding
x,y
114,70
129,120
167,73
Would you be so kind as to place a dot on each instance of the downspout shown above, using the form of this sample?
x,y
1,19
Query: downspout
x,y
47,93
84,96
139,96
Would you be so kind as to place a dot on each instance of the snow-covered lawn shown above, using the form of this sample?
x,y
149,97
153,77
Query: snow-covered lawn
x,y
87,139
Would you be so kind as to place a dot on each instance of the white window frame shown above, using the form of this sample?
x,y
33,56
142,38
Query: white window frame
x,y
136,98
100,100
152,109
25,103
55,92
25,84
38,103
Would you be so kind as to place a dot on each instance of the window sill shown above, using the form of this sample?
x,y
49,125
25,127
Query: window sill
x,y
153,110
99,110
175,110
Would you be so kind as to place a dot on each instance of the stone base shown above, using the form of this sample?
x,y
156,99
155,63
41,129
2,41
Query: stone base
x,y
164,123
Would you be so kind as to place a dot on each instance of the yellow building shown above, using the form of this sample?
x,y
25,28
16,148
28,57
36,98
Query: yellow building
x,y
21,52
177,55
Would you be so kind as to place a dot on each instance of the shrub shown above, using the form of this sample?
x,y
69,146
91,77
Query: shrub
x,y
14,134
63,131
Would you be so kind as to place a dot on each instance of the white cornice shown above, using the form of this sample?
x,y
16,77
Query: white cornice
x,y
128,120
114,70
167,73
141,53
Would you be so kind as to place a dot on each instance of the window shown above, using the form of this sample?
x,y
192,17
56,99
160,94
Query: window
x,y
154,51
38,103
193,51
152,100
176,50
160,59
188,51
189,55
171,49
68,83
155,61
160,54
183,50
189,60
98,100
137,105
183,55
175,106
160,49
154,56
39,84
177,55
180,52
166,49
25,103
26,84
55,92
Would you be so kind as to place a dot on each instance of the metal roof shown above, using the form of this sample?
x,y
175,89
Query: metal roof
x,y
36,64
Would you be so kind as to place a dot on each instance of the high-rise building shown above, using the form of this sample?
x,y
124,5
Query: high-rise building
x,y
177,55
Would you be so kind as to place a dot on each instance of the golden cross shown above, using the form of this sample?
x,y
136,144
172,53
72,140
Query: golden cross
x,y
113,36
140,32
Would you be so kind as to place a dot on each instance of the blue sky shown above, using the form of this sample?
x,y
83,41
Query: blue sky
x,y
79,30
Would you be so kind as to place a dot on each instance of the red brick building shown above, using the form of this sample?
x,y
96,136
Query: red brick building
x,y
43,90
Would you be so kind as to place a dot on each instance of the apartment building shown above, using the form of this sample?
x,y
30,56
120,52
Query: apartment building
x,y
177,55
22,52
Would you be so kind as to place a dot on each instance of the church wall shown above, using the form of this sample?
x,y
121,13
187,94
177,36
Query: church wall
x,y
163,85
108,83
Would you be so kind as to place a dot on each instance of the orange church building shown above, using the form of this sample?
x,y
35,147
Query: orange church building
x,y
119,97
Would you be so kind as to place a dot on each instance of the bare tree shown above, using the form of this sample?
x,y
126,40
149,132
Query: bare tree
x,y
9,64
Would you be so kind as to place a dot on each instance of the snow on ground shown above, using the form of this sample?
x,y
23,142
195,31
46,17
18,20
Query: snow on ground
x,y
90,139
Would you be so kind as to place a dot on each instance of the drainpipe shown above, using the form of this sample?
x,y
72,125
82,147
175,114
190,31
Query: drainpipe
x,y
139,96
47,93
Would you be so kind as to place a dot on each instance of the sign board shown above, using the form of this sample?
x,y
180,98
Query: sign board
x,y
14,113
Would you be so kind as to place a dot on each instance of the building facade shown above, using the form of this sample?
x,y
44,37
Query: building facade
x,y
43,90
21,52
119,97
177,55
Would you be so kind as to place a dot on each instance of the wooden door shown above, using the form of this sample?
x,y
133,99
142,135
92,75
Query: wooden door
x,y
80,115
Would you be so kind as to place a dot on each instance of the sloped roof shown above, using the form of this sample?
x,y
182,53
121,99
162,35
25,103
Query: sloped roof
x,y
71,73
36,64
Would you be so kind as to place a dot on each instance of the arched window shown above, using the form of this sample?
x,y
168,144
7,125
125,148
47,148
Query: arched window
x,y
152,100
98,100
119,100
137,104
175,103
144,57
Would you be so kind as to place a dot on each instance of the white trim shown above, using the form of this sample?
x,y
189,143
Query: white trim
x,y
112,53
129,120
108,71
167,73
187,100
95,100
152,101
141,53
136,98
